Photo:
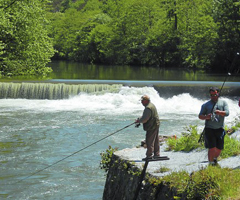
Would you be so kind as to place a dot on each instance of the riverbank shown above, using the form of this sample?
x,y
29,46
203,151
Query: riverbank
x,y
125,180
189,162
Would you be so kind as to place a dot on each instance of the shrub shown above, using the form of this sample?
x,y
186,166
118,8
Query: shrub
x,y
187,142
106,158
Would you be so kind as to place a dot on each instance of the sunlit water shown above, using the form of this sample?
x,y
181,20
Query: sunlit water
x,y
35,134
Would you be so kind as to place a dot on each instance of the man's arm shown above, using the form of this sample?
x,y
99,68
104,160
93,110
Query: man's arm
x,y
205,117
145,117
225,111
220,112
202,115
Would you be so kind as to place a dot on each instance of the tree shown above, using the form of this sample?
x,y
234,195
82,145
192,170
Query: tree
x,y
162,39
227,15
137,25
176,33
71,29
25,47
197,31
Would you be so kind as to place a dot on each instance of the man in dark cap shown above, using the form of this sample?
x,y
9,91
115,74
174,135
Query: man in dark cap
x,y
151,123
213,112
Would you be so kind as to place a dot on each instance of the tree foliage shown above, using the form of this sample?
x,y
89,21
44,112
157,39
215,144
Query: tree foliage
x,y
226,15
197,32
163,33
25,47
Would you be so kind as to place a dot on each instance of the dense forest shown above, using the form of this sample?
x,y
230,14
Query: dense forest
x,y
25,45
161,33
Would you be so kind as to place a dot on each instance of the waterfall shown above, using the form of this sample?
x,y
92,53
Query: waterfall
x,y
63,89
51,90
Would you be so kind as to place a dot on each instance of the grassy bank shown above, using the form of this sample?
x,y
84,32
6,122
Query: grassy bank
x,y
189,141
211,182
208,183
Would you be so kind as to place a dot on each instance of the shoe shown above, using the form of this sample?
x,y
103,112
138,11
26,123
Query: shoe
x,y
211,163
147,158
156,157
215,161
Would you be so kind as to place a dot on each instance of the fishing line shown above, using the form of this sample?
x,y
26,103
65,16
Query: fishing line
x,y
73,153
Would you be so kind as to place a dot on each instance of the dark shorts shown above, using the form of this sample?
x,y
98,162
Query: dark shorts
x,y
214,138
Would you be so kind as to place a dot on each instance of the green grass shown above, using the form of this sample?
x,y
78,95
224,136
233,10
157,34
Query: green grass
x,y
162,170
209,183
231,147
189,141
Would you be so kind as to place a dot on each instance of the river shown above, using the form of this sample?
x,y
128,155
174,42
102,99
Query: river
x,y
38,137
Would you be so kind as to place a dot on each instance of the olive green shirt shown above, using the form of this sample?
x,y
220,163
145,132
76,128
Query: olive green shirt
x,y
150,117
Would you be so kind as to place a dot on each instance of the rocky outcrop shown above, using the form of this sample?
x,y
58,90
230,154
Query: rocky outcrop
x,y
122,183
126,166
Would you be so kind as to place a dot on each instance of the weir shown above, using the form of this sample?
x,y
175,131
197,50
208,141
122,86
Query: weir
x,y
63,88
50,90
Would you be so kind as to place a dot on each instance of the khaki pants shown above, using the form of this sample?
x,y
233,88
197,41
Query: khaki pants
x,y
152,142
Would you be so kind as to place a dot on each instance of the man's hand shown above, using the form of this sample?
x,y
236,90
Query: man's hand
x,y
137,123
220,112
205,117
209,116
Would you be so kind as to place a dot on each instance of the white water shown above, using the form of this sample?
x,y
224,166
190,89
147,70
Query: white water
x,y
41,132
125,102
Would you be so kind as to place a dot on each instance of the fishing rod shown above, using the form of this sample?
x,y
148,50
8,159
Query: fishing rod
x,y
230,69
228,74
74,153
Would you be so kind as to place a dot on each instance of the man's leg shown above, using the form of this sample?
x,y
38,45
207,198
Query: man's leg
x,y
213,153
150,142
210,143
156,143
217,152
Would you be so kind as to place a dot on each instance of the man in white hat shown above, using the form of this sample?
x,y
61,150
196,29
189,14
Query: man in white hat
x,y
151,123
